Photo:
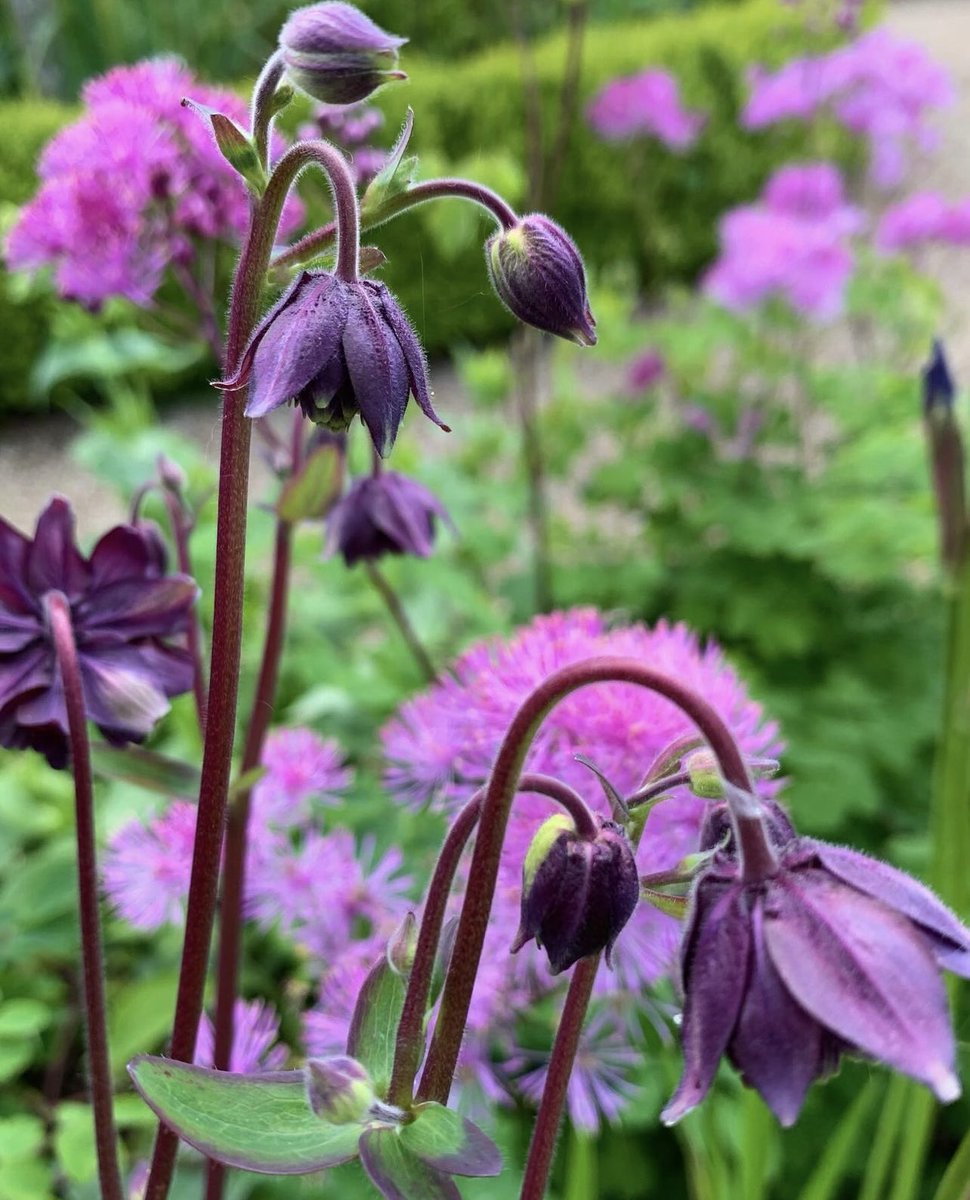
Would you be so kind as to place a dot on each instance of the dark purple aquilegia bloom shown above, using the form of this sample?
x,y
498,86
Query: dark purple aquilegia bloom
x,y
338,349
124,608
812,952
383,514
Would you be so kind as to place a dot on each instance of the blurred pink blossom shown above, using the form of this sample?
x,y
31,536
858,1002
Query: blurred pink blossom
x,y
924,217
644,105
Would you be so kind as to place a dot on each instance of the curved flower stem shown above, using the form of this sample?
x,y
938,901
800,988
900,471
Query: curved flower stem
x,y
347,214
237,830
262,104
225,653
320,240
410,1030
650,793
542,1148
92,953
180,535
401,619
443,1055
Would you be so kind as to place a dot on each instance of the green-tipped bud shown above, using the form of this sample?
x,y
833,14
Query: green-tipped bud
x,y
705,774
577,893
336,54
339,1089
403,945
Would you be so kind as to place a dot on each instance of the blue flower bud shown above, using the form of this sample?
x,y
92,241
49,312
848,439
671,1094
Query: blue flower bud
x,y
577,893
538,274
336,54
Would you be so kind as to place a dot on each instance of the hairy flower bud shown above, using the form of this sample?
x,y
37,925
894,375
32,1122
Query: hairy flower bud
x,y
577,894
336,54
538,274
384,514
339,1089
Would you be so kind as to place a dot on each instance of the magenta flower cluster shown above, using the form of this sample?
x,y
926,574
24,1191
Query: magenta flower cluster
x,y
793,245
132,186
880,87
441,746
645,105
352,128
923,218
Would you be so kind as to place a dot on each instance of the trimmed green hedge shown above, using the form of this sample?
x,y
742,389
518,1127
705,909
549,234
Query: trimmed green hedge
x,y
475,107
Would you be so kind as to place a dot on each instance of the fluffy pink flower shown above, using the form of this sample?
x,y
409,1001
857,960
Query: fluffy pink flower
x,y
145,869
644,105
256,1028
301,768
880,87
921,218
132,186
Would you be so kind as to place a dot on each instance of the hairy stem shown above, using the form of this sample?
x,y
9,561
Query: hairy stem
x,y
346,212
92,952
261,115
443,1055
410,1040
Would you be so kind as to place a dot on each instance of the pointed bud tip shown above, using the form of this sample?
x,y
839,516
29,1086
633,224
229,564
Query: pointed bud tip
x,y
946,1087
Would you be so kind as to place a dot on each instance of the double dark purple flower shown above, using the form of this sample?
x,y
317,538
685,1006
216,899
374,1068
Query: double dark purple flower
x,y
820,953
338,349
123,607
384,514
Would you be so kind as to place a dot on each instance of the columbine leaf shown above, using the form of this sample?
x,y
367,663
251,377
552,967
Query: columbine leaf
x,y
392,179
258,1122
313,490
397,1173
373,1030
443,1139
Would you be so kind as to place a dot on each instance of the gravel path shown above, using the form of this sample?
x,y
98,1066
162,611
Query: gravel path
x,y
35,457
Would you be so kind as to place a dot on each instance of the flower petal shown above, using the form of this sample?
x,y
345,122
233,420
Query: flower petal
x,y
25,672
54,562
138,607
776,1046
413,352
717,945
375,363
120,696
299,342
950,937
126,552
864,972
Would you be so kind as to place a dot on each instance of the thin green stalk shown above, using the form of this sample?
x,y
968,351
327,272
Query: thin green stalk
x,y
841,1148
582,1181
879,1160
758,1134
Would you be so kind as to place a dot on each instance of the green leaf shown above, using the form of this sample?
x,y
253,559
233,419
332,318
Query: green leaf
x,y
74,1143
258,1122
140,1015
312,491
398,1173
444,1139
146,769
20,1137
373,1030
14,1056
23,1018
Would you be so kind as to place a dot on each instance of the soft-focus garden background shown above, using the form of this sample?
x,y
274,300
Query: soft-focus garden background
x,y
751,465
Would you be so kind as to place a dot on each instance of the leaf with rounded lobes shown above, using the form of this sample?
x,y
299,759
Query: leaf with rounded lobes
x,y
313,490
373,1029
258,1122
398,1173
444,1139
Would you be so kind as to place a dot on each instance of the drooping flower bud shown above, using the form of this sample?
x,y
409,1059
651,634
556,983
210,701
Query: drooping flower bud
x,y
339,1089
577,893
947,457
539,276
336,54
384,514
705,773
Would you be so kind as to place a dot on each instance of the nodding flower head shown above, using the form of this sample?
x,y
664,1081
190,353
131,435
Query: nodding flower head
x,y
539,276
336,54
827,952
339,349
124,608
384,514
577,892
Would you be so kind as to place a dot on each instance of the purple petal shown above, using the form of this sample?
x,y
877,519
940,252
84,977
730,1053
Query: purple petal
x,y
375,363
17,630
950,937
863,972
717,945
298,344
25,672
413,352
397,1173
138,607
14,548
124,552
776,1046
119,695
53,561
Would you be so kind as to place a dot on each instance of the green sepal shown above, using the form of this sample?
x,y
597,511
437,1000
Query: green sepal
x,y
396,176
373,1028
311,492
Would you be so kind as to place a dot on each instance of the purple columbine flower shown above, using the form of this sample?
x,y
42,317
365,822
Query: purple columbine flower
x,y
384,514
538,274
337,54
124,609
817,952
338,349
